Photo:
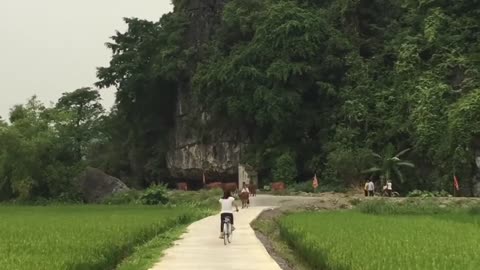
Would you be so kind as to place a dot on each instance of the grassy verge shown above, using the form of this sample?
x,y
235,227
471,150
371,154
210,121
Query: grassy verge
x,y
145,256
267,229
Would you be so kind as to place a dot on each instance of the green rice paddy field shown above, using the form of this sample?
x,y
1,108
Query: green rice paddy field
x,y
80,237
354,240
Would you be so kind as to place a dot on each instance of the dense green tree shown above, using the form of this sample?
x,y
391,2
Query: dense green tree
x,y
285,169
35,160
81,124
146,65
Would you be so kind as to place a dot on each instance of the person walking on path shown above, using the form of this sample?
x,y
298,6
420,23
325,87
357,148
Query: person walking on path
x,y
371,188
227,202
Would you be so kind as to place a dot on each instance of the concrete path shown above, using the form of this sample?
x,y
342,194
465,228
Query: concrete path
x,y
200,248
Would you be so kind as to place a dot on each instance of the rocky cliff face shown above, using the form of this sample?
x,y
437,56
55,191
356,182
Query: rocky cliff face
x,y
192,152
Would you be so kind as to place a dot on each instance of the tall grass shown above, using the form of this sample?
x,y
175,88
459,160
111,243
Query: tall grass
x,y
408,207
352,240
80,237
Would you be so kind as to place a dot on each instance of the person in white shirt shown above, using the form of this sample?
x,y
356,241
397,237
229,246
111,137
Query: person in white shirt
x,y
371,188
246,191
245,188
389,188
227,202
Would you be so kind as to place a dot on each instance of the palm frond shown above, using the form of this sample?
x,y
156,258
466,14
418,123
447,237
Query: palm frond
x,y
400,175
377,155
402,152
406,164
373,169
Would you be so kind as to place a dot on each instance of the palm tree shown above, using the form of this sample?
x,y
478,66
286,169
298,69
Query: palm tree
x,y
390,163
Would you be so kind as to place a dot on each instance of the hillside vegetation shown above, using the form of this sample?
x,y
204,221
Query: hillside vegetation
x,y
327,83
333,87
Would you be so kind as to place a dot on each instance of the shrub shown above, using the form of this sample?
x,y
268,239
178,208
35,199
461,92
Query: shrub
x,y
285,169
154,195
303,187
203,198
127,197
355,201
427,194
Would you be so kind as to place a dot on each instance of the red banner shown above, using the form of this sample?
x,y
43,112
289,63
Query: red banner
x,y
315,182
455,183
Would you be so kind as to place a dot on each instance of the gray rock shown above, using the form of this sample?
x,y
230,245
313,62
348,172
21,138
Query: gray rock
x,y
95,185
215,150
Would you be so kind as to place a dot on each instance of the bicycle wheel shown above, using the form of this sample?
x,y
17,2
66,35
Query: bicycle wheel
x,y
229,233
225,233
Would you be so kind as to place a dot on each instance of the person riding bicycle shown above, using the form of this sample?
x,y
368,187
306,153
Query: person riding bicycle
x,y
227,202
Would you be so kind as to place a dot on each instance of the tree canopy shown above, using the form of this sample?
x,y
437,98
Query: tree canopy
x,y
318,86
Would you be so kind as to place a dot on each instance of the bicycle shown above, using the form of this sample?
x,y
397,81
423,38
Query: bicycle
x,y
227,231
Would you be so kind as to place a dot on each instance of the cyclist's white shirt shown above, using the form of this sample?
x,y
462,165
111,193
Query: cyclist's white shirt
x,y
389,186
245,190
227,205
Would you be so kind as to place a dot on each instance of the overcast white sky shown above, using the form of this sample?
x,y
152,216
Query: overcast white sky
x,y
48,47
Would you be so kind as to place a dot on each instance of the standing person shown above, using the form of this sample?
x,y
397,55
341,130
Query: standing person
x,y
245,188
389,188
245,193
371,188
365,188
227,202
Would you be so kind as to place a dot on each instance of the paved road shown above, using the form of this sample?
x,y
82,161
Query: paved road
x,y
200,248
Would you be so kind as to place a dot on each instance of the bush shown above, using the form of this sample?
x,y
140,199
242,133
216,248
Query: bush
x,y
154,195
428,194
355,201
127,197
303,187
285,169
197,199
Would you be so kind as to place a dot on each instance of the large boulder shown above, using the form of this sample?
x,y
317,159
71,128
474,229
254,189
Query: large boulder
x,y
95,185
